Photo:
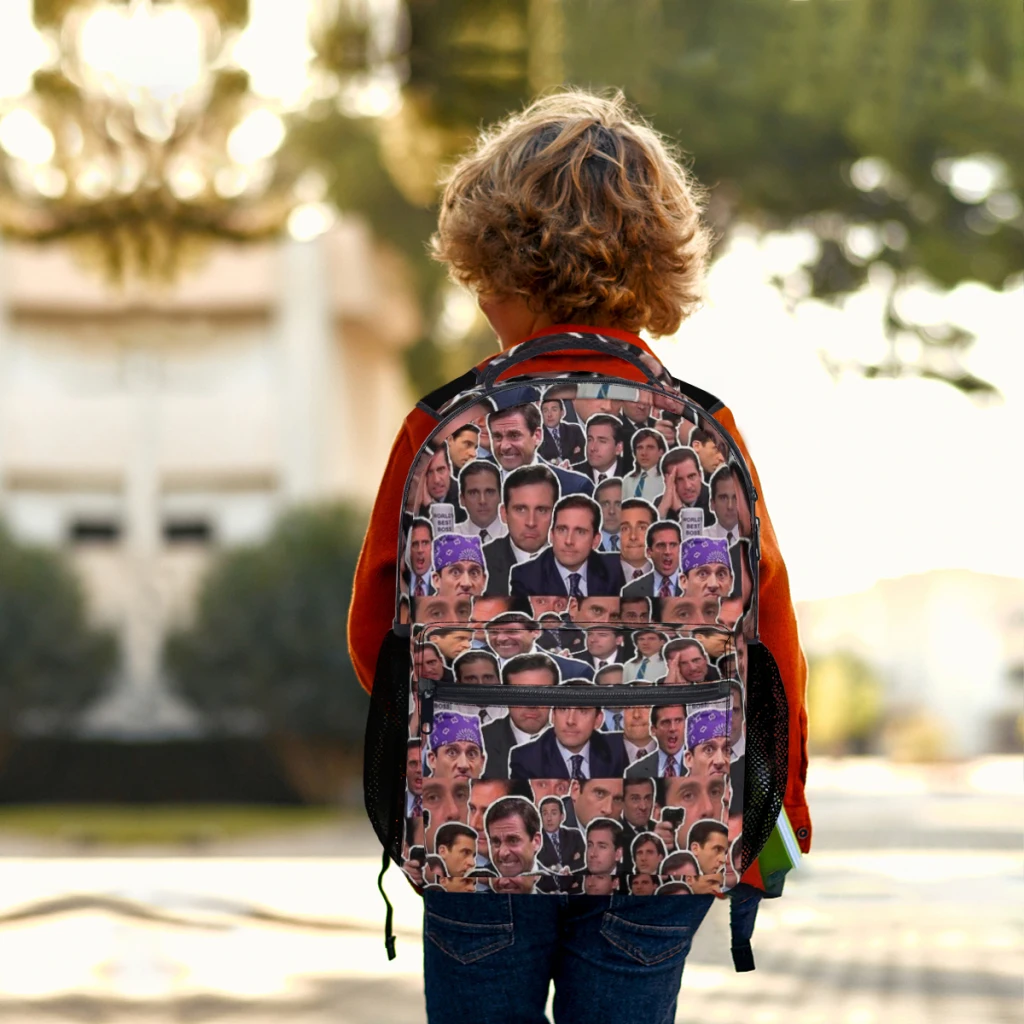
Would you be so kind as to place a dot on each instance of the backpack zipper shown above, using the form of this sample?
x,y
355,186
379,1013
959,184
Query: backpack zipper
x,y
563,696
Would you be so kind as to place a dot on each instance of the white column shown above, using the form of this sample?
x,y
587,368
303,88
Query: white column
x,y
4,329
305,331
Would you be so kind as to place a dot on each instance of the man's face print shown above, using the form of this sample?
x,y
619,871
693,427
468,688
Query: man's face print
x,y
649,645
439,477
602,854
476,672
710,457
640,410
507,639
636,609
711,856
462,449
427,664
598,798
648,452
670,729
633,525
575,726
602,643
465,578
693,665
636,725
700,798
512,443
484,793
513,850
725,504
481,498
602,448
439,608
610,500
664,551
420,550
647,857
528,516
638,803
461,857
460,760
444,800
642,885
543,605
552,412
551,814
709,758
573,537
688,481
414,770
686,610
715,578
594,609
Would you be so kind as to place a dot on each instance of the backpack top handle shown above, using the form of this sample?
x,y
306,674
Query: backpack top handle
x,y
499,366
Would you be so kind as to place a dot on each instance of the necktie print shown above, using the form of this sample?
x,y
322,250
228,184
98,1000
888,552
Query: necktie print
x,y
577,768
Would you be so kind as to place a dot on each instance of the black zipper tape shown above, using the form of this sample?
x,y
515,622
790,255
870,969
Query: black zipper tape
x,y
564,696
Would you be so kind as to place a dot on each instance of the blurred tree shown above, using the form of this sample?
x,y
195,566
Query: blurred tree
x,y
267,648
892,130
52,663
844,701
269,632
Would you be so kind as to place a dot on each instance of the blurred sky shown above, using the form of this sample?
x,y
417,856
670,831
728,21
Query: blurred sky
x,y
864,479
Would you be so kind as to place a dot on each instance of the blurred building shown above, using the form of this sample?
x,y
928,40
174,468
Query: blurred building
x,y
948,645
145,431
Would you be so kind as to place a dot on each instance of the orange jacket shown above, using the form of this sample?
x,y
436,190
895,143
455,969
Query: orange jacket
x,y
376,580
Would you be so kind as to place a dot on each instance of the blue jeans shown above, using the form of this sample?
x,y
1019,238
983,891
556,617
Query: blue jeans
x,y
488,958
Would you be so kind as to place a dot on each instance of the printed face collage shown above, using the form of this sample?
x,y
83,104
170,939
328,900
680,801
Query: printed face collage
x,y
594,536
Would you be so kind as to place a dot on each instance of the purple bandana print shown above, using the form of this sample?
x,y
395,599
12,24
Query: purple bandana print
x,y
698,551
450,548
705,725
450,727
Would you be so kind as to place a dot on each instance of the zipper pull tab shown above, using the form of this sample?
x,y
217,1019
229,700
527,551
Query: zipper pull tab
x,y
426,692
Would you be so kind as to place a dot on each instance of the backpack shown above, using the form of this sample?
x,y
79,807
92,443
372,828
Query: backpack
x,y
574,697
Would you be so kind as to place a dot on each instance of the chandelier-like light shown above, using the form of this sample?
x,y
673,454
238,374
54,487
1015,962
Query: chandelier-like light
x,y
142,131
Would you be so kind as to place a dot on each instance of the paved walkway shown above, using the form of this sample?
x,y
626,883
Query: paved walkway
x,y
913,921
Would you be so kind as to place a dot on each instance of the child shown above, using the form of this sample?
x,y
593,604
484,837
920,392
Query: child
x,y
571,215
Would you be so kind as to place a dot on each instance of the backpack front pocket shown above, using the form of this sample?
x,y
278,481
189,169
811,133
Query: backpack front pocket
x,y
599,735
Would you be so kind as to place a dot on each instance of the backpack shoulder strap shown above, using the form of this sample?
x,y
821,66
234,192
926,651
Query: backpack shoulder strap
x,y
436,399
704,398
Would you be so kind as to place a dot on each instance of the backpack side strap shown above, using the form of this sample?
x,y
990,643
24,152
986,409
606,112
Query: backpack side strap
x,y
744,900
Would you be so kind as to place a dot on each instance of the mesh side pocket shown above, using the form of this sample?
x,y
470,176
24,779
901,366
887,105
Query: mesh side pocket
x,y
387,734
767,752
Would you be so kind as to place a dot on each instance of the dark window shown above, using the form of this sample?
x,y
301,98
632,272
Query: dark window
x,y
94,531
188,531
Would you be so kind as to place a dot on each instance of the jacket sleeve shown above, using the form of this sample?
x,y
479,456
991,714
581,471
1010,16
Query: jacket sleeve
x,y
372,605
778,629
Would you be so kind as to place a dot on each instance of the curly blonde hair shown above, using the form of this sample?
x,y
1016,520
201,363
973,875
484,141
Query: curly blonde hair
x,y
579,206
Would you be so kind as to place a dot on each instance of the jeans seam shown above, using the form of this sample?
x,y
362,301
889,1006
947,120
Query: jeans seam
x,y
635,953
477,954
